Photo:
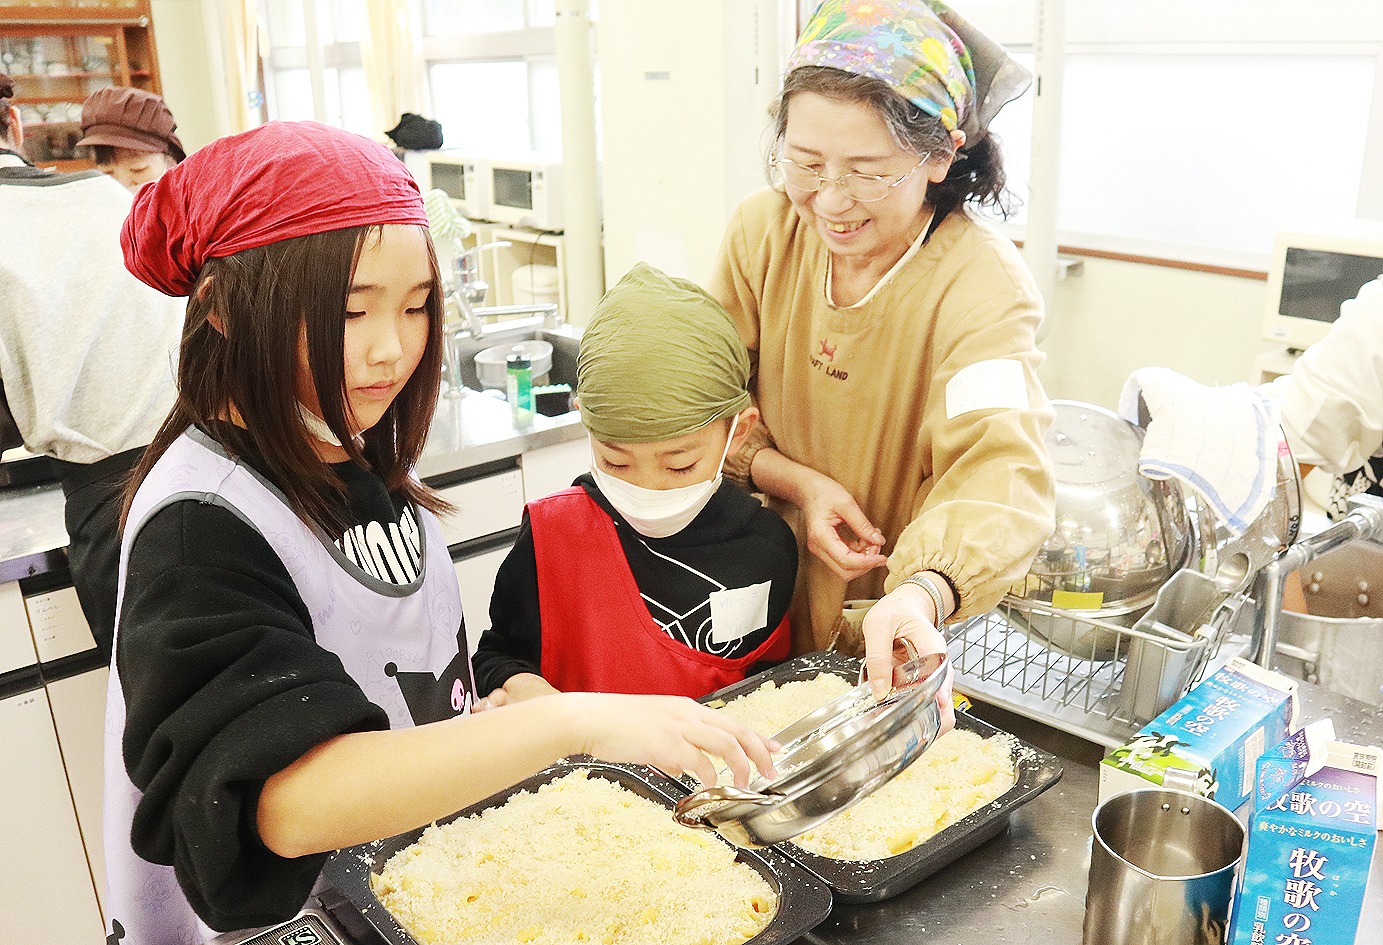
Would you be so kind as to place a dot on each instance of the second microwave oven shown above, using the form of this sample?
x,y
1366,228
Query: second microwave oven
x,y
525,191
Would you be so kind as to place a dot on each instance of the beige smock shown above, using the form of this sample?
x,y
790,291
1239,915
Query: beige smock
x,y
922,401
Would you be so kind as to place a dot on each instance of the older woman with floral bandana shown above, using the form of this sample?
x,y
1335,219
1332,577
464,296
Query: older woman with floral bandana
x,y
893,332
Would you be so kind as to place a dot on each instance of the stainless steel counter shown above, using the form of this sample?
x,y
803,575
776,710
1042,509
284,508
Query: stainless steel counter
x,y
466,432
478,428
1027,886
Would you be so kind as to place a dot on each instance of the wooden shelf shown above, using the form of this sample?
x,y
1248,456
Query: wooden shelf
x,y
116,37
135,13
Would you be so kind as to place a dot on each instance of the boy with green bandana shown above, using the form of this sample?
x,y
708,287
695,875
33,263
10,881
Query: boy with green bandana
x,y
652,574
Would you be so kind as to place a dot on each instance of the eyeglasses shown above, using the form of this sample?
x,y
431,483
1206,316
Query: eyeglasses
x,y
864,188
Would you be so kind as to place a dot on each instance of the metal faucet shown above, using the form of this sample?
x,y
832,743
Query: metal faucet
x,y
469,291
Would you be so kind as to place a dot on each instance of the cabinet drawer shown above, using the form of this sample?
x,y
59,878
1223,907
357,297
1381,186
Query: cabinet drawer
x,y
60,627
483,506
79,714
552,468
47,897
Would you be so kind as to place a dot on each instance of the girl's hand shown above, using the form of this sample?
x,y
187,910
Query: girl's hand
x,y
827,509
907,612
671,733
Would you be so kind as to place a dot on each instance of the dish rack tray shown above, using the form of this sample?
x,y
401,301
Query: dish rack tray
x,y
1105,699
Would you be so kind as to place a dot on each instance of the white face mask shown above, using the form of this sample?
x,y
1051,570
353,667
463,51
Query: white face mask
x,y
318,427
659,513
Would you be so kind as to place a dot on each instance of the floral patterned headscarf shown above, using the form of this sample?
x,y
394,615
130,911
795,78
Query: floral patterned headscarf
x,y
923,50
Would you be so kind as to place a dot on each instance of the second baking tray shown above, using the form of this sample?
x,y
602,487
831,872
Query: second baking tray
x,y
874,880
803,900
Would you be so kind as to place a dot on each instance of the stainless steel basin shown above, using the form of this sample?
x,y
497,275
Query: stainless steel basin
x,y
1339,644
565,341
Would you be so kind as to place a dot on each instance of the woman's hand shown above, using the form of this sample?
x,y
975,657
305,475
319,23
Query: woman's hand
x,y
672,733
827,508
838,532
906,613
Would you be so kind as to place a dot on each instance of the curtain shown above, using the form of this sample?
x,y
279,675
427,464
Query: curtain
x,y
391,56
239,22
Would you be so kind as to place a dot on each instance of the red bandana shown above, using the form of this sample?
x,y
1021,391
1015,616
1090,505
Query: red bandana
x,y
281,180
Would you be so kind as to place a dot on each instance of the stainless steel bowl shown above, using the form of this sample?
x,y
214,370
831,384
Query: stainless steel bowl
x,y
1119,535
831,758
492,364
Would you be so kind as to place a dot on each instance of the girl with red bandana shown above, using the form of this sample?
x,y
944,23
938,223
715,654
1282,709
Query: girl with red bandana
x,y
289,619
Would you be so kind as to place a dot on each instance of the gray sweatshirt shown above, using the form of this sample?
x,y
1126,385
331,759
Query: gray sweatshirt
x,y
87,352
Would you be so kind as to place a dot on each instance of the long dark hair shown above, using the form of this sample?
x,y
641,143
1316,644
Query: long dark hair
x,y
239,351
977,171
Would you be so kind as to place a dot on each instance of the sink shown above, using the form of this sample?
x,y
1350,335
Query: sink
x,y
565,341
1339,644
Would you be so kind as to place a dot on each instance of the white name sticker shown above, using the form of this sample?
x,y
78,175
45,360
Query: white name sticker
x,y
738,611
998,384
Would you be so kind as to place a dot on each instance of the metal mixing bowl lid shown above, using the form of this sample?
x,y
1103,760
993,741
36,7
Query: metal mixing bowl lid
x,y
831,758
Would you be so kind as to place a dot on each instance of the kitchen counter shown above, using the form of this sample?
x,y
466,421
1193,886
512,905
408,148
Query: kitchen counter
x,y
1028,884
467,432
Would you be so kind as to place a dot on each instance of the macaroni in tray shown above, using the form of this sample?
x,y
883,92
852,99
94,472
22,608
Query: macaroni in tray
x,y
959,774
579,859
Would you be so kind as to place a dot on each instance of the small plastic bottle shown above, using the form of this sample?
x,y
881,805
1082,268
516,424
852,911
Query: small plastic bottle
x,y
520,389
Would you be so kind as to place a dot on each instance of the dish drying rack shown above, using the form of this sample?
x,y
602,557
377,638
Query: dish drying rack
x,y
1104,696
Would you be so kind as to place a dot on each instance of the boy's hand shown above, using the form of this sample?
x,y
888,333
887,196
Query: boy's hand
x,y
519,687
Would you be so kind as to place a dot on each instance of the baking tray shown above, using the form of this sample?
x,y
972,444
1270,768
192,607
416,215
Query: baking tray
x,y
874,880
803,900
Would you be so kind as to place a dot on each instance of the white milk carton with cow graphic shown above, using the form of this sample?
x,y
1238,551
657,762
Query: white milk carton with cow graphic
x,y
1208,742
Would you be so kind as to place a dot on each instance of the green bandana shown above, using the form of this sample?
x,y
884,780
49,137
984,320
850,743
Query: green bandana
x,y
660,359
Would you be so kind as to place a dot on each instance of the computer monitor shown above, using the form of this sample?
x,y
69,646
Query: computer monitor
x,y
1313,272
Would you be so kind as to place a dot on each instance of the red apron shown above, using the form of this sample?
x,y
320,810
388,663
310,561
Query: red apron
x,y
598,635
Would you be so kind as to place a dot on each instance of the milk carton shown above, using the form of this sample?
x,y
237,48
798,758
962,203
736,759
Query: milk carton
x,y
1311,838
1207,743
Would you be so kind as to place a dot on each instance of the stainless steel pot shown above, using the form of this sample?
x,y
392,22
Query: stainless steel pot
x,y
1119,536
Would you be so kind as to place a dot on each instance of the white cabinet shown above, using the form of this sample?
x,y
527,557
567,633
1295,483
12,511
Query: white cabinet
x,y
553,468
79,713
47,896
476,575
483,506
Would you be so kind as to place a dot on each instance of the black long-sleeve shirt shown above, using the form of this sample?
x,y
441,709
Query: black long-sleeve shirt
x,y
735,541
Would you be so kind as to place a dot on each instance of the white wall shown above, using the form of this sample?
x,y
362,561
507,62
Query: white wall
x,y
1119,316
187,59
685,89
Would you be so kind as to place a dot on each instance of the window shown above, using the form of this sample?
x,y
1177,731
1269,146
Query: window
x,y
313,70
492,74
1196,134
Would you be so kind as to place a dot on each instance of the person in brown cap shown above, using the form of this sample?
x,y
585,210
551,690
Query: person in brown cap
x,y
132,133
87,351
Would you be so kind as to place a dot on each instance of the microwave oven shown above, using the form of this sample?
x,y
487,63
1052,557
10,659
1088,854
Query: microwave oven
x,y
1313,272
525,191
458,174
